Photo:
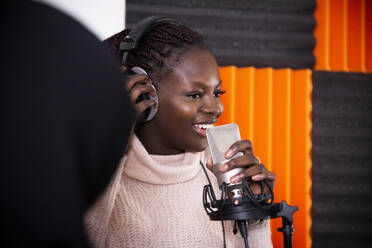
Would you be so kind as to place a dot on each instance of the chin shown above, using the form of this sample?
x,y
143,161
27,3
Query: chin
x,y
197,147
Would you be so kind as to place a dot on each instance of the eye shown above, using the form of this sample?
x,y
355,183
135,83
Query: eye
x,y
218,93
194,95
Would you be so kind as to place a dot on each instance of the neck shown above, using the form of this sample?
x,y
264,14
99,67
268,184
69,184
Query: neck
x,y
154,141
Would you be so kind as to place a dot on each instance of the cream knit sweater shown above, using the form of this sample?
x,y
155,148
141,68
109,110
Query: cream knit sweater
x,y
156,201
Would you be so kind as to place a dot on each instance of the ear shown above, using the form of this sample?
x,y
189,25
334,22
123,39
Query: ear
x,y
123,68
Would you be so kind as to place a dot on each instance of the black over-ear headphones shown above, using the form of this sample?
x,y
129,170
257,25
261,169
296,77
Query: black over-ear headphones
x,y
131,44
132,40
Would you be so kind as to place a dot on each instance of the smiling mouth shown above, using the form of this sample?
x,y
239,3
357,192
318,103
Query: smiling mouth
x,y
201,129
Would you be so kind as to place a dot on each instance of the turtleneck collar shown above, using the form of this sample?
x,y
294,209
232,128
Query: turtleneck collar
x,y
160,169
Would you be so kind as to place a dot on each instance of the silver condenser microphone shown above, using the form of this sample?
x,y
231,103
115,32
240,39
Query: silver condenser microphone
x,y
220,138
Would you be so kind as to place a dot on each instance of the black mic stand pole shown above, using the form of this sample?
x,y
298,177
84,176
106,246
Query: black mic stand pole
x,y
287,230
286,212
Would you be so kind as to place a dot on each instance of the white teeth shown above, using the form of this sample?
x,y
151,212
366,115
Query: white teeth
x,y
204,126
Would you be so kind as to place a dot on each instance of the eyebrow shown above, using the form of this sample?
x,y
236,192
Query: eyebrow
x,y
200,84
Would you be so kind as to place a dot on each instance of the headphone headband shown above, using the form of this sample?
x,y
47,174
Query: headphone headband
x,y
131,41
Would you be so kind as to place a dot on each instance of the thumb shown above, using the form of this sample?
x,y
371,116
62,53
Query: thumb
x,y
209,163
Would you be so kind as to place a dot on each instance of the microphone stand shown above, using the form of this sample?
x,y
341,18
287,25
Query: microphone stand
x,y
246,208
286,212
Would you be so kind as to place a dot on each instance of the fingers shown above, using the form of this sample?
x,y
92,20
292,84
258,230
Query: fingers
x,y
267,175
143,105
139,86
256,170
141,89
244,146
252,171
256,173
242,161
137,79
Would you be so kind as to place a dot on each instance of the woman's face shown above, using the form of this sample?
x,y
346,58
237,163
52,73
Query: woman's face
x,y
189,101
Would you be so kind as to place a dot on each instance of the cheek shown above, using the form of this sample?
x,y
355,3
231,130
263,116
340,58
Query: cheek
x,y
178,110
185,110
221,107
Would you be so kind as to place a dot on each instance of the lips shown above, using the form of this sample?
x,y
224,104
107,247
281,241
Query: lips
x,y
201,129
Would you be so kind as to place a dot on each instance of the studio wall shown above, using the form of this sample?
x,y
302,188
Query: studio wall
x,y
298,79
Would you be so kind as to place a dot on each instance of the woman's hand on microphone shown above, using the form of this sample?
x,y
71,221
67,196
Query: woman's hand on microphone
x,y
254,170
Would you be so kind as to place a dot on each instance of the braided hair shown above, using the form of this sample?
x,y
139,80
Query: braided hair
x,y
160,50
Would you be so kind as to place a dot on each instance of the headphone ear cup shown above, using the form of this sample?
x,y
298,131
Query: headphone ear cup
x,y
138,70
151,112
153,109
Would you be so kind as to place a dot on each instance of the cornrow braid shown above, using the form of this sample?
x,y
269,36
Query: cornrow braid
x,y
161,49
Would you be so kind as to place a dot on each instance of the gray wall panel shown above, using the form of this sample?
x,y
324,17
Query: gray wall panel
x,y
342,160
243,33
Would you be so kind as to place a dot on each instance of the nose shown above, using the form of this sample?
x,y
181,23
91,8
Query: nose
x,y
212,106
